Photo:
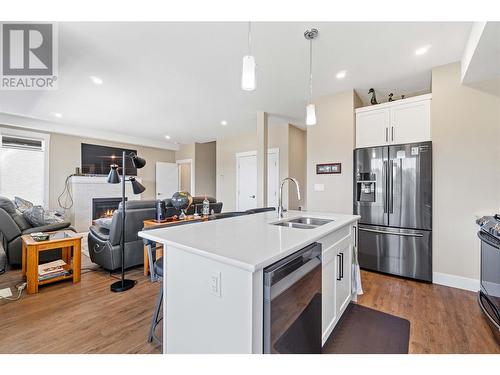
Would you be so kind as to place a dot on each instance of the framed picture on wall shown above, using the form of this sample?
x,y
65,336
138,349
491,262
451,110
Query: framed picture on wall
x,y
330,168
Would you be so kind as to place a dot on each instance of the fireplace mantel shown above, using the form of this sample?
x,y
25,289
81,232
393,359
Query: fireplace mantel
x,y
84,188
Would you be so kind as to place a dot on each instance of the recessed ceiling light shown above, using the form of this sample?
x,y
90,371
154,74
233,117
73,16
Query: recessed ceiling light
x,y
57,114
422,50
223,122
167,136
96,80
341,74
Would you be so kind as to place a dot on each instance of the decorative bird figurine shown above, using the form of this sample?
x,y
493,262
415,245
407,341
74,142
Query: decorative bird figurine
x,y
373,100
390,97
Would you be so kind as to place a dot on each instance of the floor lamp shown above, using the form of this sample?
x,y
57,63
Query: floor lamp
x,y
114,178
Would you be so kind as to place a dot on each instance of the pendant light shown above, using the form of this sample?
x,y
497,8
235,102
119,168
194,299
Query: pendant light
x,y
310,35
248,71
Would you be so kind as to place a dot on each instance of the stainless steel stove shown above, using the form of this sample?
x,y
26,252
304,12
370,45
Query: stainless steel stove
x,y
489,295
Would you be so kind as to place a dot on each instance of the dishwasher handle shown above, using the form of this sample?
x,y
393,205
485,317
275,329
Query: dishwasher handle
x,y
297,263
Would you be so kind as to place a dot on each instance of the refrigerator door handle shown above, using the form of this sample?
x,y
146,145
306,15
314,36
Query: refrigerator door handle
x,y
393,233
384,179
391,186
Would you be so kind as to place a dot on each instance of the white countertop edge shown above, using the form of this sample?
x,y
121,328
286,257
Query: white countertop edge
x,y
245,266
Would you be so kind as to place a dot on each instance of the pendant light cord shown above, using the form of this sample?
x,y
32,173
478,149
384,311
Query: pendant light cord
x,y
310,71
249,38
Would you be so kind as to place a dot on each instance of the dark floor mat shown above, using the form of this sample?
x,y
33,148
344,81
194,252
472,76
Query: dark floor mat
x,y
362,330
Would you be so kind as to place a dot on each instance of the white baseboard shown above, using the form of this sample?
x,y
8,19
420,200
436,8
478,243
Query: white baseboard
x,y
455,281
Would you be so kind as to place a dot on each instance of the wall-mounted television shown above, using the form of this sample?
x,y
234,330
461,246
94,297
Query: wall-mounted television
x,y
96,160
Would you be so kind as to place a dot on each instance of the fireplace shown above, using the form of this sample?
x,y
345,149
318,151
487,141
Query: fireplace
x,y
104,207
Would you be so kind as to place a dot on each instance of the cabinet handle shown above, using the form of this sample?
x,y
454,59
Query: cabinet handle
x,y
386,134
338,269
341,265
392,133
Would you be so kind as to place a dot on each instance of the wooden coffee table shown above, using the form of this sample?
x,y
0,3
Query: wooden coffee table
x,y
70,244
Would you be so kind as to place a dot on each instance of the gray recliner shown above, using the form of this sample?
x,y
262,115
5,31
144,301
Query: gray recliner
x,y
104,244
14,225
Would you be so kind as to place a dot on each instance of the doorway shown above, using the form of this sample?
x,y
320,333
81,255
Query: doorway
x,y
186,175
246,179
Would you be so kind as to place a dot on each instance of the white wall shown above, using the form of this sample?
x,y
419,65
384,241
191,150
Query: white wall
x,y
466,169
331,140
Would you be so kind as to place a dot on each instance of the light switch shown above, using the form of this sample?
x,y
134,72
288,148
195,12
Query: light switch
x,y
319,187
215,284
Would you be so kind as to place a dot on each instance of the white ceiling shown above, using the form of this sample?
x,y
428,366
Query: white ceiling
x,y
182,79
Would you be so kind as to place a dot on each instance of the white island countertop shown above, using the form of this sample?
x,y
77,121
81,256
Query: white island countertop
x,y
249,242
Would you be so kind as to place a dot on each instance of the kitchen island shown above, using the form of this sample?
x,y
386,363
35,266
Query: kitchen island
x,y
214,287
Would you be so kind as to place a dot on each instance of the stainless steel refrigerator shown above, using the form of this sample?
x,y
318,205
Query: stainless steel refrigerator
x,y
393,195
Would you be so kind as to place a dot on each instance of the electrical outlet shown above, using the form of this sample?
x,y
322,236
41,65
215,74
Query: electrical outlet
x,y
5,293
215,284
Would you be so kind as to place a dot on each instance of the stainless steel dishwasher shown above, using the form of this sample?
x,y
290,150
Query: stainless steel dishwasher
x,y
292,303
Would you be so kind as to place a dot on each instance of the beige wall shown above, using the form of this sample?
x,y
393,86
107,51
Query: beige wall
x,y
185,152
331,140
466,169
297,165
226,166
65,156
205,156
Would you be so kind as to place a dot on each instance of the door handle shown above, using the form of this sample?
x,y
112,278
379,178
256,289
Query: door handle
x,y
393,233
338,269
159,194
392,133
341,265
386,134
391,186
384,178
252,196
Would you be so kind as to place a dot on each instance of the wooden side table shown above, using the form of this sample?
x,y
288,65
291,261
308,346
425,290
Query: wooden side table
x,y
151,223
68,241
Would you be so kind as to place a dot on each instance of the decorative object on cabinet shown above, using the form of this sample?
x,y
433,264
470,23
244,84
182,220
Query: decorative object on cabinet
x,y
390,97
181,200
402,97
310,35
329,168
373,100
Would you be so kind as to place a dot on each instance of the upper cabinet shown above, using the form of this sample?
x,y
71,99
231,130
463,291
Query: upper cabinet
x,y
401,121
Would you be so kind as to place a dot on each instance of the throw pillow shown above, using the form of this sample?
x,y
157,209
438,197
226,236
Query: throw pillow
x,y
22,204
38,217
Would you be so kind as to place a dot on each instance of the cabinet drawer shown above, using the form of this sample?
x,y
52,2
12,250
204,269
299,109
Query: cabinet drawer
x,y
333,238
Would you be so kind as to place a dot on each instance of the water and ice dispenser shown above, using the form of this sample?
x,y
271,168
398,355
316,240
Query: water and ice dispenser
x,y
365,187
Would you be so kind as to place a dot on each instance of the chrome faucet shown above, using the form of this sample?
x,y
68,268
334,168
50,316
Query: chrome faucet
x,y
280,205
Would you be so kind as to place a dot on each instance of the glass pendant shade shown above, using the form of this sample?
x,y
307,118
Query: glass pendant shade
x,y
310,114
113,177
248,73
137,187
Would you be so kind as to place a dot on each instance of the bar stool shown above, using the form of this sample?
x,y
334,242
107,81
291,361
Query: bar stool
x,y
156,269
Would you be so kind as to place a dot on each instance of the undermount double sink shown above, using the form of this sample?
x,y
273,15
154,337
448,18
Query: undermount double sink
x,y
303,222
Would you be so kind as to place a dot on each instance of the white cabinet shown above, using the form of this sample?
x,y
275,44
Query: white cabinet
x,y
371,127
401,121
336,277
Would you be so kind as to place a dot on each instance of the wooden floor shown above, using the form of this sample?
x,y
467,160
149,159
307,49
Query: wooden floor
x,y
442,319
88,318
79,318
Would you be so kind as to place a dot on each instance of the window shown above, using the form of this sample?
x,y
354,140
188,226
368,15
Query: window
x,y
24,165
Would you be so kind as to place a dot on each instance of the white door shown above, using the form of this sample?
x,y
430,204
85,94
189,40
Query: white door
x,y
246,182
411,122
272,179
167,179
372,127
